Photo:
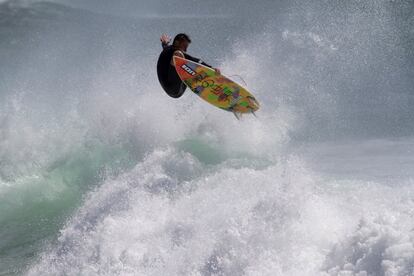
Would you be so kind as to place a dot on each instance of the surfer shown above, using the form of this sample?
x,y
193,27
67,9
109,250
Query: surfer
x,y
167,75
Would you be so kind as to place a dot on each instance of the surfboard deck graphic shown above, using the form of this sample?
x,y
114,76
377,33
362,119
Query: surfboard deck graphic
x,y
214,88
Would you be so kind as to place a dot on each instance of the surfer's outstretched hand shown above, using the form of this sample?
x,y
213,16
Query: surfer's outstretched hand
x,y
165,39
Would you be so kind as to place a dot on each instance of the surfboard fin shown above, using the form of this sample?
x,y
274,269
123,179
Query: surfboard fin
x,y
236,115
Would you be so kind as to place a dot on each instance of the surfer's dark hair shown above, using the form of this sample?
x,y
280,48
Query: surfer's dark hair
x,y
181,37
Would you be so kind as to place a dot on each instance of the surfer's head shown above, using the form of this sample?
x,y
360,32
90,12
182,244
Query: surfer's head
x,y
181,41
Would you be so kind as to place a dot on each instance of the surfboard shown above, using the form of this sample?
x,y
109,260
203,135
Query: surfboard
x,y
215,88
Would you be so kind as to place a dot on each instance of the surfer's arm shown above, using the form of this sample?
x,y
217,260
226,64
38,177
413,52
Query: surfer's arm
x,y
198,60
187,56
177,53
165,40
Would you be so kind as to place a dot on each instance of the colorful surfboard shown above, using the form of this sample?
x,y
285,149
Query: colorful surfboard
x,y
215,88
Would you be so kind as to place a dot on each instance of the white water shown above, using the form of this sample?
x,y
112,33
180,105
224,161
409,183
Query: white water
x,y
103,174
172,215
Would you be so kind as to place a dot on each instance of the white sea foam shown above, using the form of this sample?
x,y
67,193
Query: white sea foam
x,y
136,183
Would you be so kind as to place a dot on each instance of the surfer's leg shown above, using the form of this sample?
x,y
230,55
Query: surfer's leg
x,y
172,75
175,87
176,90
182,88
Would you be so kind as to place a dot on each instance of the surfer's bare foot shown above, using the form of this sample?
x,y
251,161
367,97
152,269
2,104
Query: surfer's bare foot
x,y
217,71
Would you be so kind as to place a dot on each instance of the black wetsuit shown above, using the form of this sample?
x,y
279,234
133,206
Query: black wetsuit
x,y
167,75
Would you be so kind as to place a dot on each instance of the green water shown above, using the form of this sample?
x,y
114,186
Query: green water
x,y
211,154
33,208
208,154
